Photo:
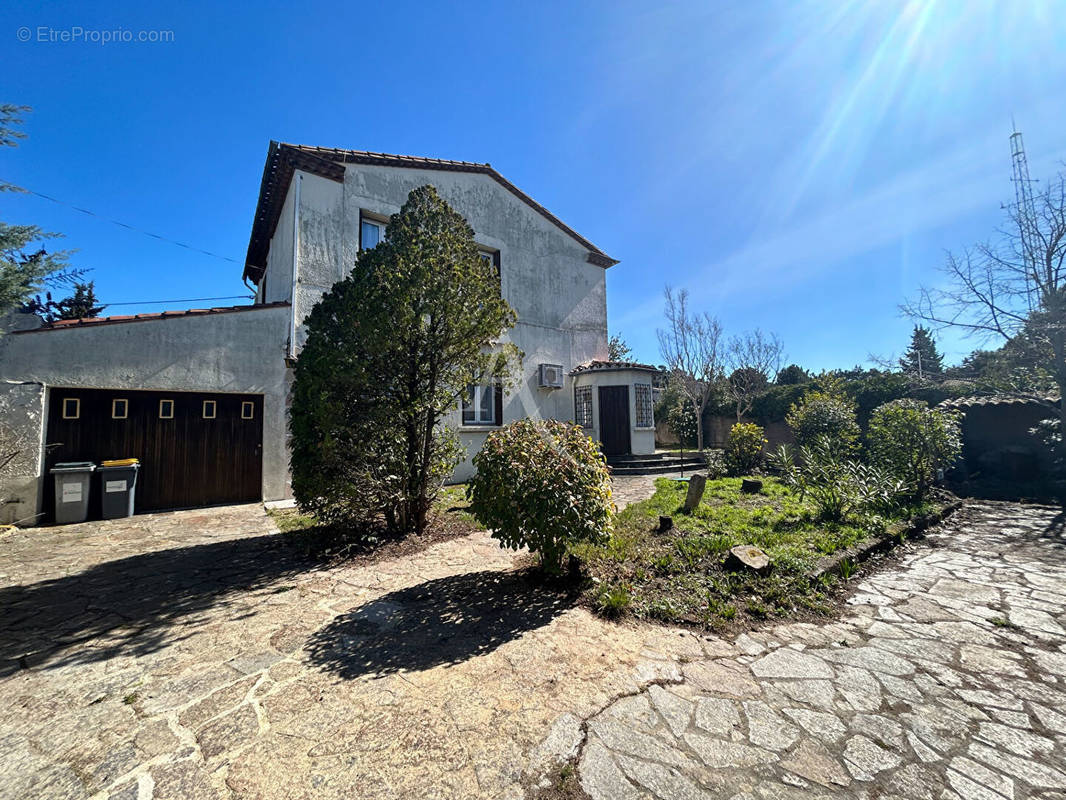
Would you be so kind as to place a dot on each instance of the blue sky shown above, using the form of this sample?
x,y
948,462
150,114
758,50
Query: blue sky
x,y
800,167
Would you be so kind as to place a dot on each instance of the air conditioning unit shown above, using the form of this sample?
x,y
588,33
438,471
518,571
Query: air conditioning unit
x,y
551,376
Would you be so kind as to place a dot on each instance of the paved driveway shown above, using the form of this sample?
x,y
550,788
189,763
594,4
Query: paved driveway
x,y
199,655
945,679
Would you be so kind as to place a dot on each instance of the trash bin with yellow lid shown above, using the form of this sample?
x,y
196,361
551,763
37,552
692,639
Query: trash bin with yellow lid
x,y
118,487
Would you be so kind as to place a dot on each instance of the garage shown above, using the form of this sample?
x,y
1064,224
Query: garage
x,y
196,449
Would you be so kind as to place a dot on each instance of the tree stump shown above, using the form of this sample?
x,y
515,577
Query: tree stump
x,y
750,486
696,485
665,523
747,556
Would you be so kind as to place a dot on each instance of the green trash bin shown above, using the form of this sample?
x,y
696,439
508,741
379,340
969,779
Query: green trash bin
x,y
72,490
118,486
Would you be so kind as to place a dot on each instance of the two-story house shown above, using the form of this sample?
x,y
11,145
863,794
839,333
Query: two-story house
x,y
200,397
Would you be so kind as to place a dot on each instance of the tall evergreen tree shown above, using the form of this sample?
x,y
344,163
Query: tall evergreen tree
x,y
922,359
26,266
390,352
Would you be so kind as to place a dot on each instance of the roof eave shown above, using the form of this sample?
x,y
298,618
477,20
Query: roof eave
x,y
283,159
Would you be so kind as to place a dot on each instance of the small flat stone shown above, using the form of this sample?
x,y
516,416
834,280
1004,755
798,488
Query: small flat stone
x,y
865,758
789,663
814,762
766,729
717,715
718,754
973,780
826,727
676,711
602,778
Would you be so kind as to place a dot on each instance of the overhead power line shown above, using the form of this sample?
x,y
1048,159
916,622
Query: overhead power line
x,y
116,222
185,300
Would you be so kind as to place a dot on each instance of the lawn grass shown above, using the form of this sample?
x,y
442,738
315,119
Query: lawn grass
x,y
679,576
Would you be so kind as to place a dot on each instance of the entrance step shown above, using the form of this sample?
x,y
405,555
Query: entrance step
x,y
654,463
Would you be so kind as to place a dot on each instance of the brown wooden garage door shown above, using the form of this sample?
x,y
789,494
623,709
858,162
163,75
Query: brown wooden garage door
x,y
195,449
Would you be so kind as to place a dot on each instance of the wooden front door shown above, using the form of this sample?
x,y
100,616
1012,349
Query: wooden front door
x,y
195,449
614,420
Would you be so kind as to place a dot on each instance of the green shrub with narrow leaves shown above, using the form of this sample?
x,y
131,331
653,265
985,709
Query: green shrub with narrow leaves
x,y
914,442
542,484
744,449
838,486
821,414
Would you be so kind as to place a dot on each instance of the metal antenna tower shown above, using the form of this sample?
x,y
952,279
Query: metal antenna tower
x,y
1023,198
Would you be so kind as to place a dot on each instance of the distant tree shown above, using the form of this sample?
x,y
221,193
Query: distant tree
x,y
922,359
391,350
753,358
792,375
1016,286
617,349
691,346
83,304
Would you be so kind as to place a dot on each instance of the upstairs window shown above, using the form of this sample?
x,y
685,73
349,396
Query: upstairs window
x,y
645,416
371,233
479,405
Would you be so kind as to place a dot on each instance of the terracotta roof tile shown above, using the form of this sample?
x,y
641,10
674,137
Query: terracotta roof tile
x,y
67,324
604,366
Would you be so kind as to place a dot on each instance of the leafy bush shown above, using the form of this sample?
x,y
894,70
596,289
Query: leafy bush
x,y
744,449
913,442
716,464
542,484
838,485
825,414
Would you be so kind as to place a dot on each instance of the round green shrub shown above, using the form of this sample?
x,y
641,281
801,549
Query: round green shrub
x,y
542,484
913,442
744,449
825,414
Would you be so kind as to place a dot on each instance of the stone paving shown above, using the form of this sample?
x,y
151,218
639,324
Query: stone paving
x,y
200,655
945,679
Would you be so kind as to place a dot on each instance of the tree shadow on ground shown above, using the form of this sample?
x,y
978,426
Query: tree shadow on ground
x,y
140,604
443,621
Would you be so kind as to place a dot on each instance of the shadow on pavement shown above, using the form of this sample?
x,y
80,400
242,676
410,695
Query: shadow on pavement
x,y
137,605
443,621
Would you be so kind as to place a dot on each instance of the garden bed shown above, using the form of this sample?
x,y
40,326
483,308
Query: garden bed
x,y
680,577
449,519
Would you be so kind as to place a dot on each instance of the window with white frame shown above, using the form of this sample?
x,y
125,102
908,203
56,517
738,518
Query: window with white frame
x,y
371,232
71,408
166,409
120,408
645,416
583,406
479,405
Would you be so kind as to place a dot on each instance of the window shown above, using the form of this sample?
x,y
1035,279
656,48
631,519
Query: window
x,y
645,417
120,408
209,409
583,406
479,405
166,409
247,410
371,233
71,408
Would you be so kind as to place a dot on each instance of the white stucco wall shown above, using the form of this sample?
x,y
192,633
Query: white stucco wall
x,y
241,352
641,440
560,298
